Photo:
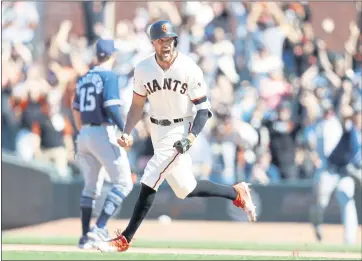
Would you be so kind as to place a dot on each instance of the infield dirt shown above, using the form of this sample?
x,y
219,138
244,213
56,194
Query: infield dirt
x,y
198,230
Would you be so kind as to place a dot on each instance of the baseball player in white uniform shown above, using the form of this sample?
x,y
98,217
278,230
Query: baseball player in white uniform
x,y
179,109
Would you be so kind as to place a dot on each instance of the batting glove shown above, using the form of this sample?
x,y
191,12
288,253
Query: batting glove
x,y
182,145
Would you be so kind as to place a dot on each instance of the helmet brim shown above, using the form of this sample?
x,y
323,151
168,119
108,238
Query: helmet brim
x,y
164,35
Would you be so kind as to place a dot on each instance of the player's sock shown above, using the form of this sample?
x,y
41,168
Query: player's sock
x,y
205,188
86,208
143,205
114,199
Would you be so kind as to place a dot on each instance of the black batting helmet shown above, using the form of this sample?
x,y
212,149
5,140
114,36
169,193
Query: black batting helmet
x,y
162,29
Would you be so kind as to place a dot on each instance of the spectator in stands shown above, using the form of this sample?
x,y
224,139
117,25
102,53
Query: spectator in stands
x,y
53,142
263,171
19,21
221,19
307,161
9,120
223,147
274,88
283,140
263,62
28,99
201,154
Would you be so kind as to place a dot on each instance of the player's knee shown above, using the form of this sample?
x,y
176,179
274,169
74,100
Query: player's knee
x,y
87,202
125,187
116,195
124,183
183,189
346,188
128,185
345,191
182,193
322,201
91,192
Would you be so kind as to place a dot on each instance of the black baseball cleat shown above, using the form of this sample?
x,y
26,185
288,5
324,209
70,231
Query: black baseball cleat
x,y
318,233
85,243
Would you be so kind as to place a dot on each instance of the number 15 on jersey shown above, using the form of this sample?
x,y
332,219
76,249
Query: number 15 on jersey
x,y
87,98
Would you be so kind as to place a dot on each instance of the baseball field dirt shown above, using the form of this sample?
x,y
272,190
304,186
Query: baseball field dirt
x,y
298,234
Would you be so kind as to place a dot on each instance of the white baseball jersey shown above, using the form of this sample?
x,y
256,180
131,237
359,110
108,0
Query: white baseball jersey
x,y
171,92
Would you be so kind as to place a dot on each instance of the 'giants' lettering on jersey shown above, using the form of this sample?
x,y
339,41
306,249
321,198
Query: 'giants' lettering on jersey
x,y
168,84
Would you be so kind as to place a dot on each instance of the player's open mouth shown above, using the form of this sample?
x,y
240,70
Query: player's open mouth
x,y
167,52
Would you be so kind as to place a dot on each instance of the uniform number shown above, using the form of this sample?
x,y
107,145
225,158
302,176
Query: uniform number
x,y
87,99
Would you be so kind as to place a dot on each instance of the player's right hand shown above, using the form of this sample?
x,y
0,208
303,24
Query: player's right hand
x,y
125,141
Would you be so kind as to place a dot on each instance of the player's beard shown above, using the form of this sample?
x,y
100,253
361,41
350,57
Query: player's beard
x,y
166,57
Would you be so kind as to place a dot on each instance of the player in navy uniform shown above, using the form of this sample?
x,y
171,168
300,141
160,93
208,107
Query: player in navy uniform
x,y
96,110
342,169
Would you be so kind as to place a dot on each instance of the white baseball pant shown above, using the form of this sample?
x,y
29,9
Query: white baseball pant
x,y
167,163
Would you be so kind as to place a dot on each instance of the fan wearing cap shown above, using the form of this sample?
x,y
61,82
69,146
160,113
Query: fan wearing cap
x,y
96,110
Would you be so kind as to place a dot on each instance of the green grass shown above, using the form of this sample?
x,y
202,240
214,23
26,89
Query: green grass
x,y
31,255
192,244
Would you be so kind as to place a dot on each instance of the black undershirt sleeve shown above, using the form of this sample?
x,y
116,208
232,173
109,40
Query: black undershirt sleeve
x,y
199,122
201,118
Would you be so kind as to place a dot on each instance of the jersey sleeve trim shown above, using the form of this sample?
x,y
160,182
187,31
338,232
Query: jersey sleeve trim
x,y
112,102
139,94
198,99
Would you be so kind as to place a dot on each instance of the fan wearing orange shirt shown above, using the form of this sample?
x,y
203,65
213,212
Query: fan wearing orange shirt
x,y
53,138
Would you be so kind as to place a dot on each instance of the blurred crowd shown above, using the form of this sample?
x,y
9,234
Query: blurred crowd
x,y
270,79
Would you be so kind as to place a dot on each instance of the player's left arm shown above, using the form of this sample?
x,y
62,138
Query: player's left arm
x,y
76,112
198,95
354,167
112,100
77,119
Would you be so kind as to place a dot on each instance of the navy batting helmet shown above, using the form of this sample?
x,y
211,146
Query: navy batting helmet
x,y
162,29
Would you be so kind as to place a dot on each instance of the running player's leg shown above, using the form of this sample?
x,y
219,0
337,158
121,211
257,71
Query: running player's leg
x,y
152,178
345,195
154,174
184,184
324,185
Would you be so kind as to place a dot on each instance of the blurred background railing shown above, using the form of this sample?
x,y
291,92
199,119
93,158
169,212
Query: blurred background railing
x,y
274,71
